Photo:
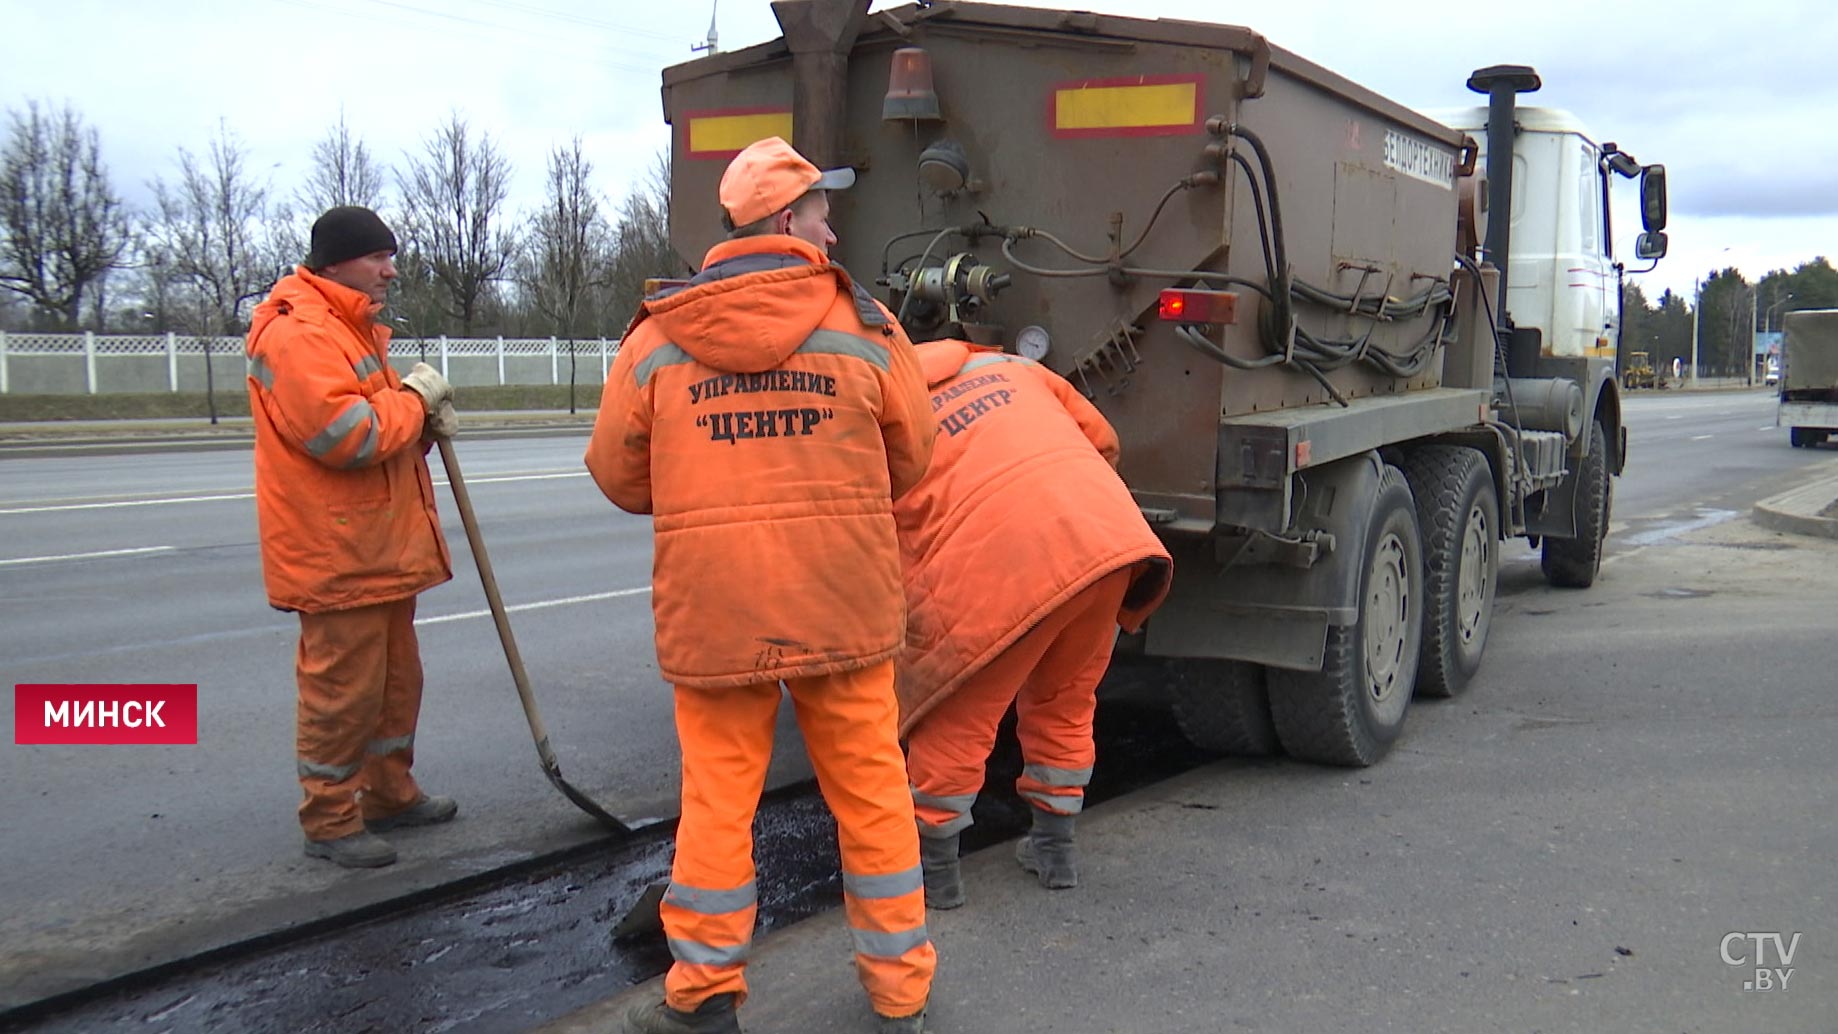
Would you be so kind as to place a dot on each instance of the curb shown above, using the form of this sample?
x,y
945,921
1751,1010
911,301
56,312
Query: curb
x,y
1811,509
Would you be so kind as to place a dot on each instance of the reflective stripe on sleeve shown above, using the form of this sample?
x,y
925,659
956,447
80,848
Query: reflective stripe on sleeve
x,y
343,424
258,369
366,366
368,449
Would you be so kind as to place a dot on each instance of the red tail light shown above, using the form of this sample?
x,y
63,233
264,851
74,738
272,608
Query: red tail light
x,y
1192,305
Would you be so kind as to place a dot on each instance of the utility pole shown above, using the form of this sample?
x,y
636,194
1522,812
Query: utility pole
x,y
1697,302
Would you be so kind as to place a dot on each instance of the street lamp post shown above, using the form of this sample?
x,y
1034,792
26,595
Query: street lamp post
x,y
1697,302
1767,323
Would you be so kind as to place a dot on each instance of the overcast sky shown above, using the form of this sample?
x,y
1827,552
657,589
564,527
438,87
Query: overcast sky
x,y
1739,101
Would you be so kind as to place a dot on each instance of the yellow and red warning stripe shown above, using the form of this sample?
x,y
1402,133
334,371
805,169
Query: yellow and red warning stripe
x,y
725,132
1144,105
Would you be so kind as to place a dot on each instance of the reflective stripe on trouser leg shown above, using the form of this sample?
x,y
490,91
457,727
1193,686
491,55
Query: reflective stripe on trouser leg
x,y
726,741
388,786
339,668
850,723
1056,705
941,817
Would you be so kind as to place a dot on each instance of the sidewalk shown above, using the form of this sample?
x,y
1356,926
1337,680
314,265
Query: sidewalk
x,y
232,432
1811,509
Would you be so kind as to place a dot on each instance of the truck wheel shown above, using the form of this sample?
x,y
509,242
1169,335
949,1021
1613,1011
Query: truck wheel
x,y
1351,711
1573,563
1223,706
1459,516
1801,437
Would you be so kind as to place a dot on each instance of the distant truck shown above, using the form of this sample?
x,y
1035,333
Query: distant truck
x,y
1338,383
1809,377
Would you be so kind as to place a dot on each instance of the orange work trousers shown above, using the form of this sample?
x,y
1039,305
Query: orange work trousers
x,y
850,723
359,673
1051,676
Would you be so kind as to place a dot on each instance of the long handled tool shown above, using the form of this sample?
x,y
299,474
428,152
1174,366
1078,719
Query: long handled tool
x,y
490,582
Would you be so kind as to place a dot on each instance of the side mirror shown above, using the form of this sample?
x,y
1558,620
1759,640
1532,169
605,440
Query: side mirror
x,y
1650,245
1653,198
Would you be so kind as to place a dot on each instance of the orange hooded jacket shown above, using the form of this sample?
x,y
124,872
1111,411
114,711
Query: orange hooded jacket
x,y
1021,510
342,494
766,416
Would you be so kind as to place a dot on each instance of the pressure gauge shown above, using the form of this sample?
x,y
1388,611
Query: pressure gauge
x,y
1033,342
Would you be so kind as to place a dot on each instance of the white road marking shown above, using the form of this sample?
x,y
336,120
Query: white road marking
x,y
103,554
124,504
1701,437
539,605
116,504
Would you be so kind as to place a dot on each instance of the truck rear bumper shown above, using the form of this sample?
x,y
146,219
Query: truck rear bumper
x,y
1822,415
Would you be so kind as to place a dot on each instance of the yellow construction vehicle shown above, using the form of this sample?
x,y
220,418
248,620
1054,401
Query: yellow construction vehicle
x,y
1639,372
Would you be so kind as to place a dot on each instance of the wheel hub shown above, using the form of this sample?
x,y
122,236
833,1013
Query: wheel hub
x,y
1387,622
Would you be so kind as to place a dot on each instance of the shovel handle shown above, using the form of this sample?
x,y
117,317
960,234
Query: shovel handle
x,y
489,581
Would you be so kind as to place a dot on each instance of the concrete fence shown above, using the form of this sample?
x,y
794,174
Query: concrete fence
x,y
91,364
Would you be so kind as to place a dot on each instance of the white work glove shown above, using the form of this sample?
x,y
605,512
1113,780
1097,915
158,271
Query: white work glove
x,y
443,422
427,382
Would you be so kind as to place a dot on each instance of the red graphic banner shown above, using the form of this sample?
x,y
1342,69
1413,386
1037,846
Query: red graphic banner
x,y
80,714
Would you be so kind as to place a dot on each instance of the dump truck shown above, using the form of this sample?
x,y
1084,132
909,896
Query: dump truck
x,y
1809,377
1339,384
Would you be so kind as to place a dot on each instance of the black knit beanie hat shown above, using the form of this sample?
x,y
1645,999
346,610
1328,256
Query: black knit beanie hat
x,y
347,232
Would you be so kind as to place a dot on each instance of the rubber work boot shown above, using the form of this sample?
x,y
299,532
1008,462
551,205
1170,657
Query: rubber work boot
x,y
1046,851
713,1016
362,850
428,811
944,876
914,1024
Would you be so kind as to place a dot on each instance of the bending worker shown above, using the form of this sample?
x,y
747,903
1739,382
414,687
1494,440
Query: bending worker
x,y
349,531
767,415
1022,551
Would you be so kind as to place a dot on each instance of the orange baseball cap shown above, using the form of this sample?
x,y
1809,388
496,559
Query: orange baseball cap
x,y
768,176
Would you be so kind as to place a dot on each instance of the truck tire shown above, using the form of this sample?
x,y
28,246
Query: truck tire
x,y
1223,706
1573,563
1351,711
1805,437
1459,516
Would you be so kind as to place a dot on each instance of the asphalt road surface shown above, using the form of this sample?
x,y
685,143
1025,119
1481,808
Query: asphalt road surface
x,y
144,568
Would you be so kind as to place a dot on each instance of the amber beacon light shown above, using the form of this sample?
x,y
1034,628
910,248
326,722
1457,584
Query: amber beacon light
x,y
909,88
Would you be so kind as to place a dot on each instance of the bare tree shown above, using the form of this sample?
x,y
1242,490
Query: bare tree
x,y
643,249
568,249
213,240
452,203
343,173
64,226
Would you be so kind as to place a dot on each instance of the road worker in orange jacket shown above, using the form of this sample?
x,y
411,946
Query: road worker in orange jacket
x,y
1023,552
767,415
349,531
